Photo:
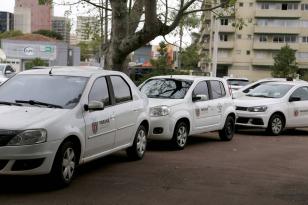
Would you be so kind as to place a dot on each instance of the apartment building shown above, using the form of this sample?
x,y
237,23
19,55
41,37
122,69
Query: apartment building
x,y
87,27
62,25
249,51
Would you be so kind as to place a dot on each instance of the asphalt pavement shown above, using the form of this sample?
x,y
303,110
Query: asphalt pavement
x,y
251,169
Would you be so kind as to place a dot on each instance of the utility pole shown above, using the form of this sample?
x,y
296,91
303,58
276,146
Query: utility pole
x,y
181,47
215,46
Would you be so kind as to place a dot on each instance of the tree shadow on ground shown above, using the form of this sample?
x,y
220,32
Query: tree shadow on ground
x,y
262,132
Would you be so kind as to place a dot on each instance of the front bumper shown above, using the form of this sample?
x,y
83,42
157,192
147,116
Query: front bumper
x,y
252,119
28,160
161,128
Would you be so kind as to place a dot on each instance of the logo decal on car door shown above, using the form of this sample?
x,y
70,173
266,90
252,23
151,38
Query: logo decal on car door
x,y
94,127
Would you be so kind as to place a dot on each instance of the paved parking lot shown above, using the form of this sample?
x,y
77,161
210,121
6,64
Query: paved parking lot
x,y
251,169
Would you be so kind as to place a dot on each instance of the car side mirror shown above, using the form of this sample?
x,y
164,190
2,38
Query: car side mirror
x,y
294,99
200,98
94,106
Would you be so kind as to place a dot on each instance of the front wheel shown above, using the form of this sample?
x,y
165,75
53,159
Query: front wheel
x,y
275,125
64,165
180,135
227,133
137,150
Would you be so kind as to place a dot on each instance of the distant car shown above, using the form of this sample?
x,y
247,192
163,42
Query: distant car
x,y
246,89
236,83
53,120
274,106
6,72
185,105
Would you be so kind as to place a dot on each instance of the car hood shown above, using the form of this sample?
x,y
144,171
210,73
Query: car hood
x,y
247,101
153,102
20,118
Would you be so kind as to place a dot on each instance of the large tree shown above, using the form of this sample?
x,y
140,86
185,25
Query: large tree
x,y
137,22
285,63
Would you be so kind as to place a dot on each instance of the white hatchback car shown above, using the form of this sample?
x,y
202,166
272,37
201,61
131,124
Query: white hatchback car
x,y
274,106
52,120
185,105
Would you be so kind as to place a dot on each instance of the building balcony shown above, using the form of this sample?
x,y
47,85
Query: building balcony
x,y
276,30
224,60
226,29
263,62
273,46
273,13
226,44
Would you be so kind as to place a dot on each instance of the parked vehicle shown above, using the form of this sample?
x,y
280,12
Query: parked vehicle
x,y
236,83
246,89
6,72
52,120
274,106
185,105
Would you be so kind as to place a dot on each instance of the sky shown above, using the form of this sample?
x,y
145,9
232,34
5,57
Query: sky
x,y
8,5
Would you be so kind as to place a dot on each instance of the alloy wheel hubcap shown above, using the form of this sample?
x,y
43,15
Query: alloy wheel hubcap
x,y
276,125
182,136
141,142
68,164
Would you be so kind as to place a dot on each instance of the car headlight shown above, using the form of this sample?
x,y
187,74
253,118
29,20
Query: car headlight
x,y
159,111
29,137
257,109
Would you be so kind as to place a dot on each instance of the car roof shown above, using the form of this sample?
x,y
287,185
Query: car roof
x,y
234,78
81,71
290,83
186,77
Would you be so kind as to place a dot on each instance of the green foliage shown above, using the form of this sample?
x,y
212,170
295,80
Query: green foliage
x,y
190,57
89,49
10,34
285,63
162,62
35,62
48,33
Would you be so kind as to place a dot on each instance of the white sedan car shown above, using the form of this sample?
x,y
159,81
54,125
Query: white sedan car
x,y
274,106
52,120
185,105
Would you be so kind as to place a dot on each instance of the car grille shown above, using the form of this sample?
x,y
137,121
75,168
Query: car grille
x,y
6,136
241,108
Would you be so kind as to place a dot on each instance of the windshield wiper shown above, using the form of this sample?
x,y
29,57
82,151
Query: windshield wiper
x,y
34,102
9,103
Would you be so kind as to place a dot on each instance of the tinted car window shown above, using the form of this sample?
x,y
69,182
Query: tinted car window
x,y
201,89
217,89
238,82
99,91
166,88
301,93
64,91
121,89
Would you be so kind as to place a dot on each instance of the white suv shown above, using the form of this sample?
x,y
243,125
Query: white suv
x,y
52,120
274,106
185,105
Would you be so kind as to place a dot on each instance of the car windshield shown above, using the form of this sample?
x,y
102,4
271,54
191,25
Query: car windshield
x,y
238,82
270,90
43,90
166,88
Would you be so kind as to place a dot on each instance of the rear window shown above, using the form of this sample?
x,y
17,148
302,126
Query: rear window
x,y
238,82
217,89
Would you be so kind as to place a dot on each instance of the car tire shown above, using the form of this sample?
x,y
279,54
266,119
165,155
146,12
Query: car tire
x,y
275,125
180,135
64,165
137,150
227,133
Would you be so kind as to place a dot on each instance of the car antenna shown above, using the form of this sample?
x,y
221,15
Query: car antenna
x,y
50,72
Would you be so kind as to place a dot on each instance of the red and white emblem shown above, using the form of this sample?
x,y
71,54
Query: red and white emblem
x,y
94,127
296,113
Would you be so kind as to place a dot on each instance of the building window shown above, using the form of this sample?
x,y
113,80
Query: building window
x,y
263,38
250,4
248,52
241,4
224,22
239,36
304,7
265,6
305,39
249,37
284,7
223,37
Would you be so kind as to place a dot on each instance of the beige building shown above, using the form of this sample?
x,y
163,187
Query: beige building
x,y
62,26
86,28
248,52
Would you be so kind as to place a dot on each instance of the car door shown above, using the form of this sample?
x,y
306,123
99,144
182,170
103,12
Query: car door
x,y
126,110
218,103
100,125
298,110
203,118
